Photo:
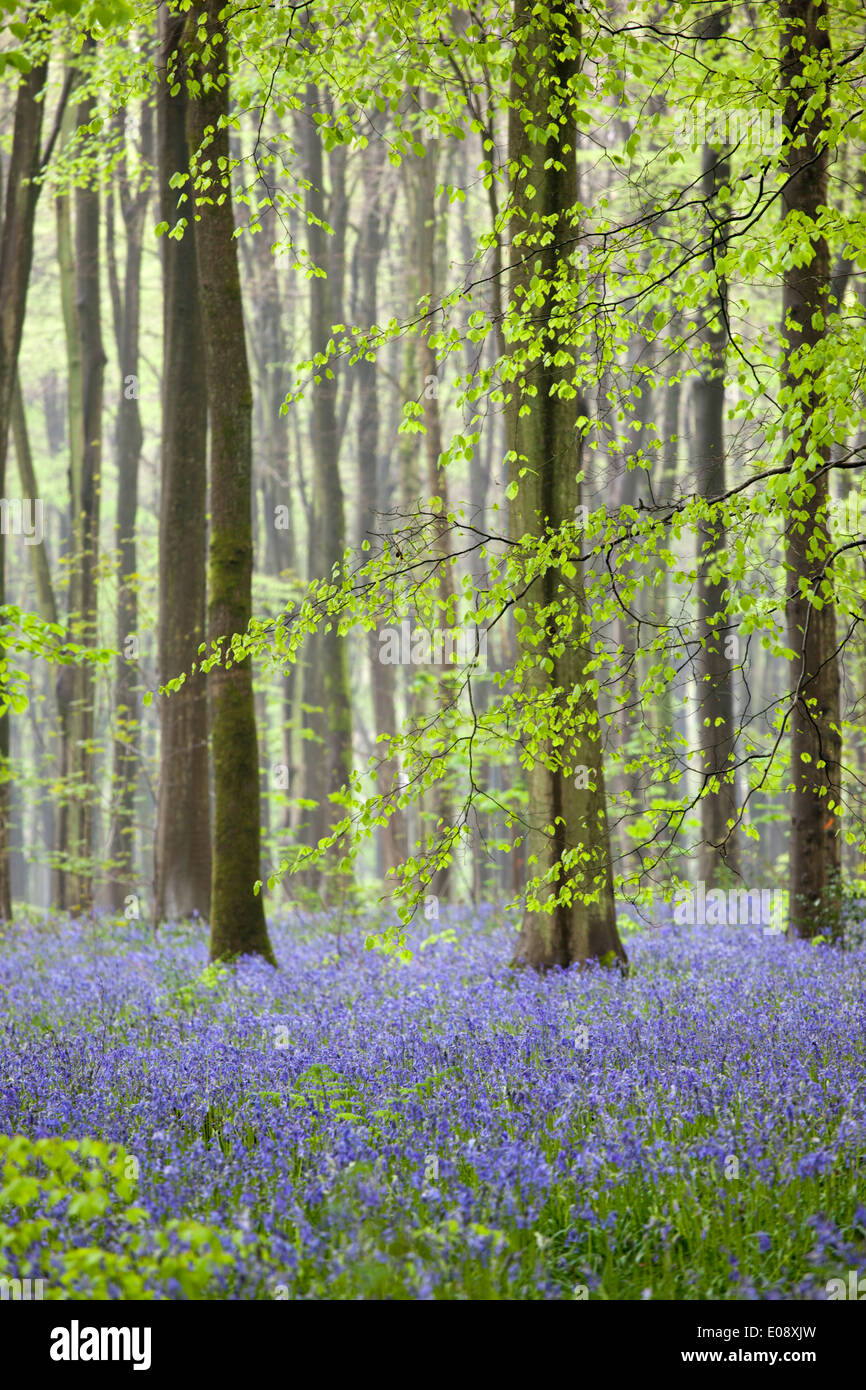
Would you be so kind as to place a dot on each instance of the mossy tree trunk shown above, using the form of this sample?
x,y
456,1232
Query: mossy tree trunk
x,y
816,743
237,912
567,810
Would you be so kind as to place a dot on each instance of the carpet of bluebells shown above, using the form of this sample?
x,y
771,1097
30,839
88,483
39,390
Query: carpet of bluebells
x,y
356,1125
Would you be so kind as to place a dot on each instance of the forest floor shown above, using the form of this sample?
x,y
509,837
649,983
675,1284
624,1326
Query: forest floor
x,y
355,1125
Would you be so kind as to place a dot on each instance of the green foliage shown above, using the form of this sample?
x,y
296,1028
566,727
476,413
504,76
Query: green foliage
x,y
196,996
119,1255
26,634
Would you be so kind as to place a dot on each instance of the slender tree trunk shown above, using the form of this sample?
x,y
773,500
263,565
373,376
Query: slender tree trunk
x,y
237,912
48,611
126,306
66,683
665,494
437,480
85,512
270,354
567,810
182,850
408,463
718,654
631,489
16,255
30,488
480,469
816,744
392,841
328,711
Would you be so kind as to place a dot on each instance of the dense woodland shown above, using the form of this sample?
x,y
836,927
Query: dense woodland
x,y
540,325
430,451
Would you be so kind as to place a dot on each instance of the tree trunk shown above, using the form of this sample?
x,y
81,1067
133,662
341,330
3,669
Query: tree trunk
x,y
16,255
630,490
567,809
126,305
270,354
85,514
66,684
392,843
816,745
48,611
45,596
666,712
327,745
437,480
718,655
182,850
237,912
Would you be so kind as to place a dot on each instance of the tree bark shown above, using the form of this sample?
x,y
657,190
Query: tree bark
x,y
718,658
237,912
16,255
392,845
273,471
437,481
85,514
45,595
327,745
563,816
126,306
182,850
66,683
816,743
666,713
